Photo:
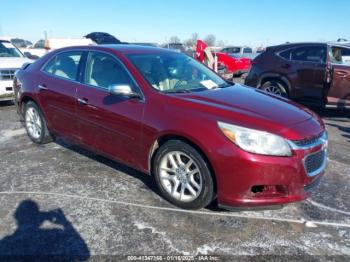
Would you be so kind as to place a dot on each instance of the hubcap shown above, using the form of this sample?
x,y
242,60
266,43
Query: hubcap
x,y
33,122
180,176
273,89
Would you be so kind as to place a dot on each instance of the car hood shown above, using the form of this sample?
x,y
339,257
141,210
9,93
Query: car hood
x,y
250,107
13,62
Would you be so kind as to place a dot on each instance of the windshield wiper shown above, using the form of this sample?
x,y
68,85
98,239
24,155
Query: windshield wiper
x,y
224,85
177,91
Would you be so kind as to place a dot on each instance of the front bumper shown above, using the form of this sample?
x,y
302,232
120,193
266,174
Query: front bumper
x,y
6,90
258,181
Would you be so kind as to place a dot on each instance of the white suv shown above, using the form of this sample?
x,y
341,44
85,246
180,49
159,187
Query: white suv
x,y
11,59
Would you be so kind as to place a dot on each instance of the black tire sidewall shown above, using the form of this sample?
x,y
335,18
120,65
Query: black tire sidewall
x,y
206,196
43,134
277,84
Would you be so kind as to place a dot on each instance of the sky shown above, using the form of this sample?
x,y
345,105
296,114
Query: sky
x,y
244,22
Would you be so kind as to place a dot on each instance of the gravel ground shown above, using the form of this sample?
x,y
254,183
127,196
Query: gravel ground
x,y
58,199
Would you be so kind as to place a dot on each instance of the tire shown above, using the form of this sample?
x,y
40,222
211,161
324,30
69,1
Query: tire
x,y
180,183
35,124
275,87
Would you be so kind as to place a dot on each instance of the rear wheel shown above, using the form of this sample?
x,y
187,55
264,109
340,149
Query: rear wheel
x,y
183,175
275,87
35,124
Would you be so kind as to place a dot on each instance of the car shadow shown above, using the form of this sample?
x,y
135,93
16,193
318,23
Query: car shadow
x,y
337,118
42,236
147,180
6,103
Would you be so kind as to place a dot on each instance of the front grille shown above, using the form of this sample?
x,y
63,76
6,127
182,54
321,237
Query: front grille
x,y
7,74
308,141
315,163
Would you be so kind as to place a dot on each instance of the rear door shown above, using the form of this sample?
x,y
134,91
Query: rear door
x,y
109,123
309,64
57,86
339,92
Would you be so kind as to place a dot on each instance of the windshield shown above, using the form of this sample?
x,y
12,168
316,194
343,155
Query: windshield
x,y
175,72
7,49
234,56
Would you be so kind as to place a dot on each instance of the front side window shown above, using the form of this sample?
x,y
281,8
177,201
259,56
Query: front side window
x,y
7,49
64,65
247,50
309,54
104,71
175,72
340,55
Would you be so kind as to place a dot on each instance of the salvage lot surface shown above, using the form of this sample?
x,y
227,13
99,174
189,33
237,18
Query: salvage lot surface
x,y
110,209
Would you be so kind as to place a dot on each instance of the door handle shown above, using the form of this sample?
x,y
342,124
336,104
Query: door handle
x,y
83,101
341,73
286,66
42,87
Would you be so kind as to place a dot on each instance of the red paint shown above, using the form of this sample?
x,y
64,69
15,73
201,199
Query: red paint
x,y
127,129
233,65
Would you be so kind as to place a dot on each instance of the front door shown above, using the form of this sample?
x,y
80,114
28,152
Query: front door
x,y
109,123
309,64
339,93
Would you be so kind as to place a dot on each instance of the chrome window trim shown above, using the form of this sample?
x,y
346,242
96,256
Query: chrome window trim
x,y
82,83
301,61
56,76
323,140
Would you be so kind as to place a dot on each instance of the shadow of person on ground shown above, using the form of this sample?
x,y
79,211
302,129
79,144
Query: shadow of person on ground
x,y
42,236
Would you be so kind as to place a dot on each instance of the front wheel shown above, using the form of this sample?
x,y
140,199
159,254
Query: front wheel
x,y
183,175
275,87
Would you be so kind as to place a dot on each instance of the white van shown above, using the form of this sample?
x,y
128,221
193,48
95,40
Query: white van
x,y
11,59
42,47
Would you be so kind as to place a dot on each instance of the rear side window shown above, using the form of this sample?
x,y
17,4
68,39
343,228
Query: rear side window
x,y
309,54
64,65
286,54
104,71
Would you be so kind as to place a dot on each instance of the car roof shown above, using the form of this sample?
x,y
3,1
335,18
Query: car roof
x,y
122,49
291,45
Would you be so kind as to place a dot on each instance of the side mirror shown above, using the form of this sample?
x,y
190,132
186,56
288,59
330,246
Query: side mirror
x,y
123,90
27,54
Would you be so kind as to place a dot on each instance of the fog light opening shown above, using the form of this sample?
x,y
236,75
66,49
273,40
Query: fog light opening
x,y
257,189
269,191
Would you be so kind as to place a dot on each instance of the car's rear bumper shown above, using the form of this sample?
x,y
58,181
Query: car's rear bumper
x,y
248,180
6,90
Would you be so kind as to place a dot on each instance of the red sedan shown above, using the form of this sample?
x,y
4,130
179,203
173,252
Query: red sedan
x,y
169,116
235,65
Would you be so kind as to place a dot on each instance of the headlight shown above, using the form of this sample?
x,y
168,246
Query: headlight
x,y
256,141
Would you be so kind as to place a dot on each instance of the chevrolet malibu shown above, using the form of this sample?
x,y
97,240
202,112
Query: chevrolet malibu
x,y
167,115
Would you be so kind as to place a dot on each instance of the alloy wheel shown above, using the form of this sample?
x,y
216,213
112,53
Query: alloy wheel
x,y
33,123
273,89
180,176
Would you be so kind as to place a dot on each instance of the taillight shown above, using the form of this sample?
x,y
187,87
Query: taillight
x,y
328,72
